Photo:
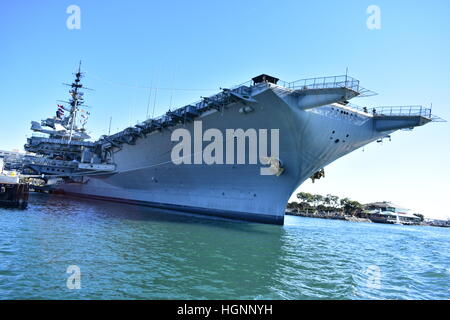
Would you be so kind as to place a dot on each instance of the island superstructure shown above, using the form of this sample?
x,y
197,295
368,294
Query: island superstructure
x,y
315,124
61,145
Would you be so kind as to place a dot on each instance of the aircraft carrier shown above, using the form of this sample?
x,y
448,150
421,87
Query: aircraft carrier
x,y
288,132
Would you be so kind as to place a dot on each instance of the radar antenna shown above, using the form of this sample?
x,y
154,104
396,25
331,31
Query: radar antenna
x,y
76,100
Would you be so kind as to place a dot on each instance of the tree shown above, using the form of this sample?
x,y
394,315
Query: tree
x,y
351,207
306,201
292,205
317,199
327,200
305,197
334,201
343,202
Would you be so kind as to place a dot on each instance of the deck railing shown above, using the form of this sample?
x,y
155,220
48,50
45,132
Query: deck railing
x,y
331,82
404,111
35,140
49,162
245,89
395,111
343,81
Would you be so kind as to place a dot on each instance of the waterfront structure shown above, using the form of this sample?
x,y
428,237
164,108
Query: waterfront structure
x,y
387,212
311,121
12,160
10,154
13,193
438,222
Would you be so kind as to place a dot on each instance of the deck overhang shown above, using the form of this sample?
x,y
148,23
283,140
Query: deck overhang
x,y
388,123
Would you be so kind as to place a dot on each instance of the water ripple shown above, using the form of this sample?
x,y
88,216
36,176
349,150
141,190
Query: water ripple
x,y
128,252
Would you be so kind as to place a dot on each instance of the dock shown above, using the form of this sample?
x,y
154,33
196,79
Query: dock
x,y
14,195
13,192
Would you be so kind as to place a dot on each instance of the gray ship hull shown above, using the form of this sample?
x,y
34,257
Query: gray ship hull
x,y
309,139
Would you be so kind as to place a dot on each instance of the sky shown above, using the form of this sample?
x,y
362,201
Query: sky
x,y
191,48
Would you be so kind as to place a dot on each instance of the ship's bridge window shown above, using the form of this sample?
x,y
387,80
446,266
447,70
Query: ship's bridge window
x,y
264,78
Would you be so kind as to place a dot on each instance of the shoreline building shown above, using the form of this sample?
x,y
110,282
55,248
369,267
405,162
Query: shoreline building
x,y
387,212
12,160
437,222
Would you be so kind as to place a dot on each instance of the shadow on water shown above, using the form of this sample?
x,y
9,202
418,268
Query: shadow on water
x,y
63,204
140,252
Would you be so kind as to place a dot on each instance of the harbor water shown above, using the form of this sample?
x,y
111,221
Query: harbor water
x,y
131,252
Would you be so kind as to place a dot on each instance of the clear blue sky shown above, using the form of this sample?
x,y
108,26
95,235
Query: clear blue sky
x,y
208,44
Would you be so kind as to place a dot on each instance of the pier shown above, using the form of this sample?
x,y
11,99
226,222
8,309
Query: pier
x,y
14,195
13,192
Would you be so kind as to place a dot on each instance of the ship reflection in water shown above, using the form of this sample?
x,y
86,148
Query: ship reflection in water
x,y
133,252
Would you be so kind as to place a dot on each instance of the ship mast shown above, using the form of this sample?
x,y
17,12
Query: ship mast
x,y
76,99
